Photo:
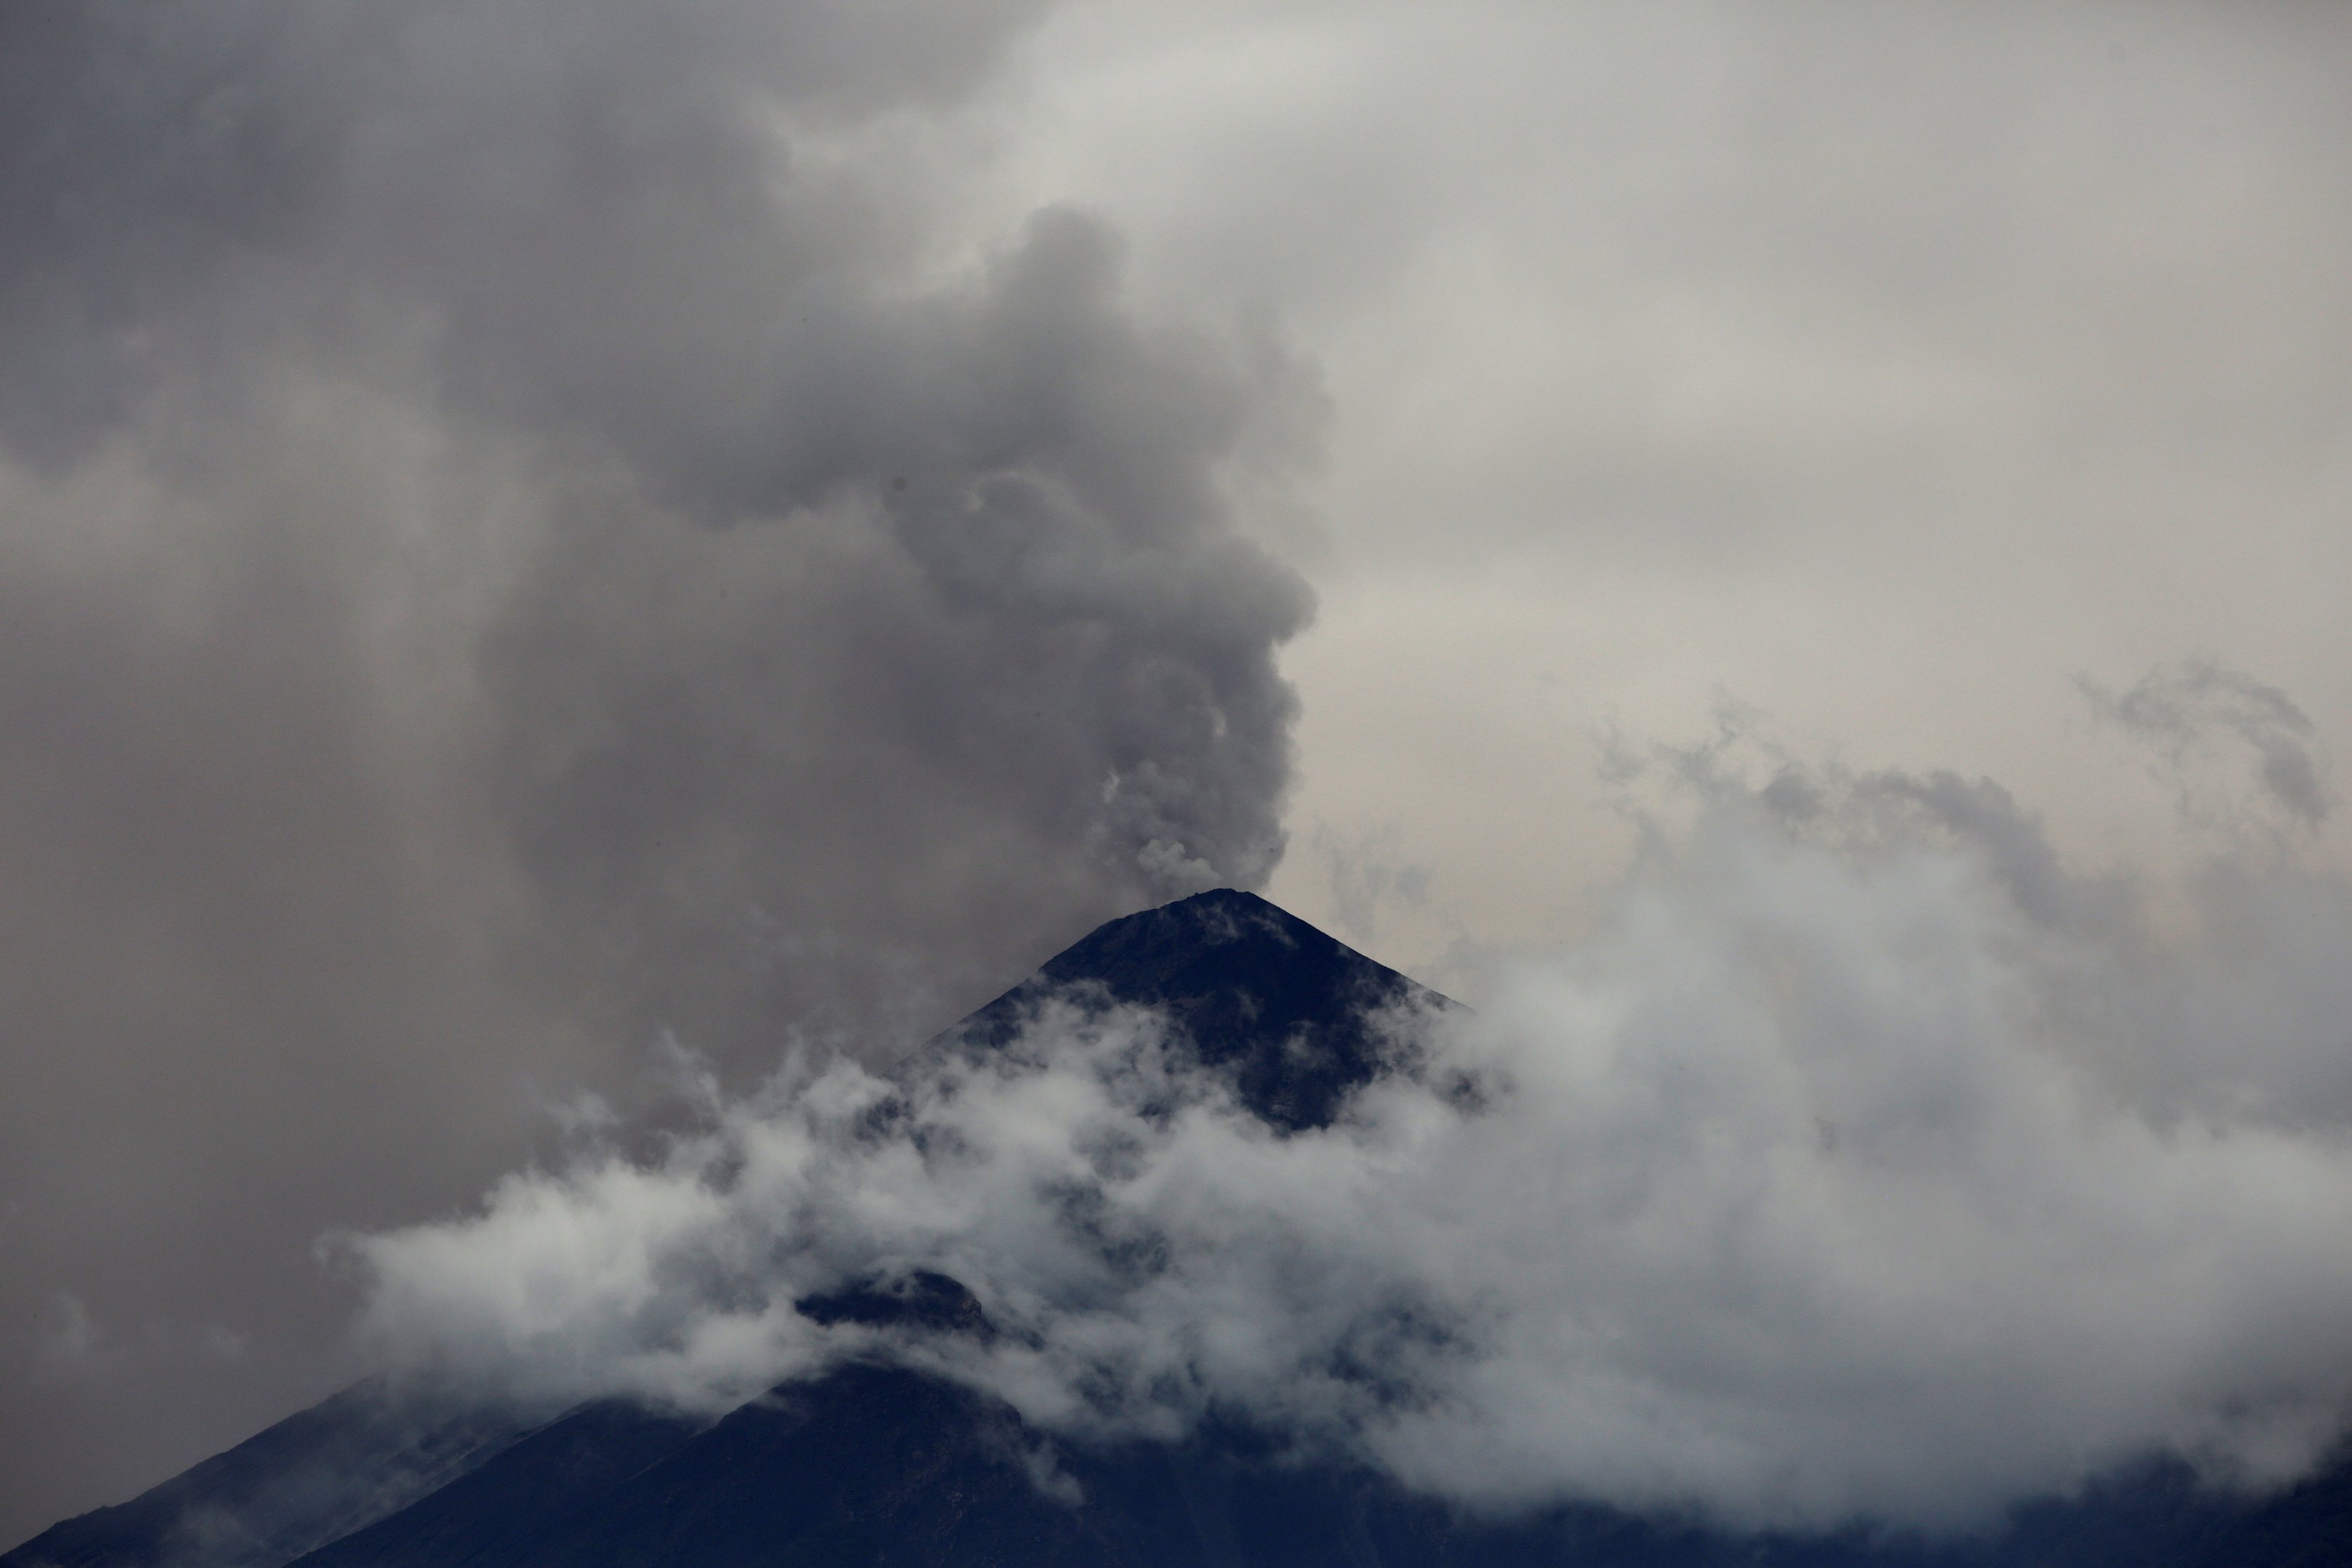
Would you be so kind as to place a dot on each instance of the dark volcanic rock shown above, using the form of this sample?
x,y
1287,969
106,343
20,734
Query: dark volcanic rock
x,y
922,1299
876,1466
312,1477
868,1466
500,1511
1289,1012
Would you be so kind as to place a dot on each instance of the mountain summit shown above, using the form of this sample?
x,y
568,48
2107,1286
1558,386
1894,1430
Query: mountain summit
x,y
1289,1013
1278,1006
875,1464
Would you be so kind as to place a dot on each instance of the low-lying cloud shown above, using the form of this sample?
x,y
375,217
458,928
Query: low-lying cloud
x,y
1861,1161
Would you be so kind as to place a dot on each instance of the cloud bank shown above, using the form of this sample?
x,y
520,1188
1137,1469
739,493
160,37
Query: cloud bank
x,y
1861,1161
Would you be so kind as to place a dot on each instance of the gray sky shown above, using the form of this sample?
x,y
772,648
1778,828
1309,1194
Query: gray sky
x,y
463,622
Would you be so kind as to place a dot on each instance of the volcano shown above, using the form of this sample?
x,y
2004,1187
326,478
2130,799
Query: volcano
x,y
875,1464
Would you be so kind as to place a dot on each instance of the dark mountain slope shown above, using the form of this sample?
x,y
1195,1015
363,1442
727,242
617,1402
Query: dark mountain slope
x,y
2309,1526
310,1479
869,1465
876,1466
1262,995
518,1497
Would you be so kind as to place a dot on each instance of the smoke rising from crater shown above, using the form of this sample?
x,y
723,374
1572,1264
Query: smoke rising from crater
x,y
526,527
519,533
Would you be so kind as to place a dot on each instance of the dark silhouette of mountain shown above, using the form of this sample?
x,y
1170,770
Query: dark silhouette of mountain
x,y
314,1478
875,1464
1289,1013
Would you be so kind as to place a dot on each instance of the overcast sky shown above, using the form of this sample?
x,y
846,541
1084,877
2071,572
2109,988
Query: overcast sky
x,y
531,529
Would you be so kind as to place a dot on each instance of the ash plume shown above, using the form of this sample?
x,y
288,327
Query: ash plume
x,y
519,533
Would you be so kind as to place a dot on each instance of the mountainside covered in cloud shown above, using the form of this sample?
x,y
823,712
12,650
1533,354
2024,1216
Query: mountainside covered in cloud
x,y
917,1426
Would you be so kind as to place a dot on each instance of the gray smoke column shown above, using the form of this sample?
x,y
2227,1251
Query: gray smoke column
x,y
519,532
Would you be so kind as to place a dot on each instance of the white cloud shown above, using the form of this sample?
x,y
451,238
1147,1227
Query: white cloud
x,y
1862,1161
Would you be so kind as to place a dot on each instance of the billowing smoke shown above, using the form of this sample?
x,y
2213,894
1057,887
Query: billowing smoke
x,y
528,526
520,529
1861,1161
2188,715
